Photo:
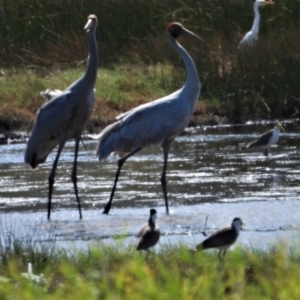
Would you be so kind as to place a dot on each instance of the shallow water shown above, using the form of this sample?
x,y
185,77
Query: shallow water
x,y
210,173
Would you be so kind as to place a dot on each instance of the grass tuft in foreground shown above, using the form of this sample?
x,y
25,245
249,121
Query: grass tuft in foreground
x,y
105,272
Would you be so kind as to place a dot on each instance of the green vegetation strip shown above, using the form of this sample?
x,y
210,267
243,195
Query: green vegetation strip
x,y
121,272
106,272
117,89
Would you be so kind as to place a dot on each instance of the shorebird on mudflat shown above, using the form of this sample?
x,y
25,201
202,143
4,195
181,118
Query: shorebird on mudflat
x,y
149,234
223,238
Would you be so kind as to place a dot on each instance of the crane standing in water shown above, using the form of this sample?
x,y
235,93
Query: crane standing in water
x,y
64,116
155,123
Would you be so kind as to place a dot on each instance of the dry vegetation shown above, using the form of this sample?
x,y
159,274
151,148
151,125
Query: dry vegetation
x,y
40,41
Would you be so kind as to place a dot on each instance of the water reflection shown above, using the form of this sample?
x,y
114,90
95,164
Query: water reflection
x,y
209,174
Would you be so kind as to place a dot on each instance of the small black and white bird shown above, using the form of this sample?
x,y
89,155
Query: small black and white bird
x,y
149,234
223,238
267,139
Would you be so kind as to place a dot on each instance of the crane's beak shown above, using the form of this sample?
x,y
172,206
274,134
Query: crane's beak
x,y
89,24
269,2
191,34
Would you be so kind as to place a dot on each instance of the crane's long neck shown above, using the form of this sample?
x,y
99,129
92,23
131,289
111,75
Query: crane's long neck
x,y
91,71
192,84
255,26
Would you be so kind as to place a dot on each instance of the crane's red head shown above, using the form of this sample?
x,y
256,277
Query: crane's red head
x,y
92,23
176,29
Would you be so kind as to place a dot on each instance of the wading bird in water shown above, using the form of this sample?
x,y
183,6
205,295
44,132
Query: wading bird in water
x,y
251,36
64,116
267,139
155,123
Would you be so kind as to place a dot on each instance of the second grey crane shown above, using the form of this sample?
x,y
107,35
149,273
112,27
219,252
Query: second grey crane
x,y
155,123
64,116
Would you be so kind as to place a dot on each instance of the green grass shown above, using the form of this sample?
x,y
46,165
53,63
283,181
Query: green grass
x,y
118,89
173,273
121,272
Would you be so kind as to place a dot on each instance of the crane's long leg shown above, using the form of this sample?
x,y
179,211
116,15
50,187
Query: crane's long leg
x,y
267,155
74,175
51,178
163,179
120,164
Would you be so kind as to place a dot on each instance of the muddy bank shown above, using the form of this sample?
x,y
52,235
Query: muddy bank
x,y
17,127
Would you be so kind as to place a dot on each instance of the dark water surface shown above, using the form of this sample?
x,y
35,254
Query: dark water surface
x,y
210,173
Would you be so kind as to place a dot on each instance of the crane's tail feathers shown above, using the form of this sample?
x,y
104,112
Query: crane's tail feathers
x,y
94,136
107,140
251,145
50,94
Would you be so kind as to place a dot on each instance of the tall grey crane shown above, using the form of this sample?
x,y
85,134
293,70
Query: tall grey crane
x,y
155,123
64,116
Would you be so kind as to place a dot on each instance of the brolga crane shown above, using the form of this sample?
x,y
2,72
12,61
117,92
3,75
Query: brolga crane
x,y
64,116
251,36
155,123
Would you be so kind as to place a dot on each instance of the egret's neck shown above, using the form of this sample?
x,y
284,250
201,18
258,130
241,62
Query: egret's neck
x,y
91,71
255,26
237,226
192,83
276,130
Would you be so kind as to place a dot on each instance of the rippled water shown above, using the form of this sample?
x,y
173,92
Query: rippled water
x,y
210,173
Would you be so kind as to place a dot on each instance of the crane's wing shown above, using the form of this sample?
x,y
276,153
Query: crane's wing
x,y
56,115
54,124
147,125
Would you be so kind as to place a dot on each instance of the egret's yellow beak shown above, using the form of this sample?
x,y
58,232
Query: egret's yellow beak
x,y
280,127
